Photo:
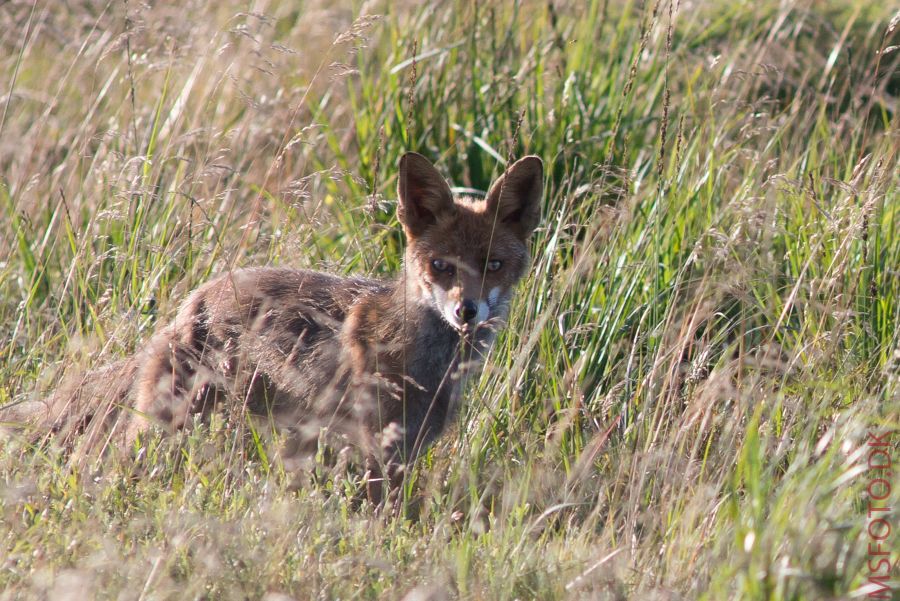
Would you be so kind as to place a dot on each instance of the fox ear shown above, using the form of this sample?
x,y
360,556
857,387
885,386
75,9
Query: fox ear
x,y
424,194
515,198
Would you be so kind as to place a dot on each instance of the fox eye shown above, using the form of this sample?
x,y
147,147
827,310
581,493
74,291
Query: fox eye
x,y
441,265
494,265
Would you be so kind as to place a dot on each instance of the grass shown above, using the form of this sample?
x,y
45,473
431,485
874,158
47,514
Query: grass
x,y
679,408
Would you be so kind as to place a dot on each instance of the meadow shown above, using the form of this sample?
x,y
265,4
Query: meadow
x,y
683,402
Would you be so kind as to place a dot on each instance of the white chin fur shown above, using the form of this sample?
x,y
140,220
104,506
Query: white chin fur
x,y
484,311
439,295
449,315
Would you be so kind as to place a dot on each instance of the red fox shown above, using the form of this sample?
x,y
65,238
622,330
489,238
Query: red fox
x,y
382,362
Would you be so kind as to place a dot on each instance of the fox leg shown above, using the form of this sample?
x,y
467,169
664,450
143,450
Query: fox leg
x,y
172,385
385,474
383,481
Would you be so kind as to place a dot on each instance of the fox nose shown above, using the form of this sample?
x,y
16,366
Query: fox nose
x,y
466,310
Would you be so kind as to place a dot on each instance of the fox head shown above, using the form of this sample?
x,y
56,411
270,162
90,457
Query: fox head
x,y
465,254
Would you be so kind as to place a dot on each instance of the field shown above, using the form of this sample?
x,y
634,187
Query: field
x,y
684,402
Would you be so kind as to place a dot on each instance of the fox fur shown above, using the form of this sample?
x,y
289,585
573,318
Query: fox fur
x,y
381,362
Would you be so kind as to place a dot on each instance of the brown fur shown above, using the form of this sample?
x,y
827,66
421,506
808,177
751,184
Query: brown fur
x,y
377,362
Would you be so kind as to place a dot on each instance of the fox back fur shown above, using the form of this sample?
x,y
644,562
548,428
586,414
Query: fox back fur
x,y
381,362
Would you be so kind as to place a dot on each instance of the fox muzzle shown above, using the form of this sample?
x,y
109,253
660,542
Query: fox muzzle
x,y
466,311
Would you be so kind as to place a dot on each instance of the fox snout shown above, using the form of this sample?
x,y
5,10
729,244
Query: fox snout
x,y
466,311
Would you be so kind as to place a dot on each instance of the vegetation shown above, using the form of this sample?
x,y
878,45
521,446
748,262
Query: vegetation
x,y
680,406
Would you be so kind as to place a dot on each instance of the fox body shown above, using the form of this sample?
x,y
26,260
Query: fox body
x,y
380,361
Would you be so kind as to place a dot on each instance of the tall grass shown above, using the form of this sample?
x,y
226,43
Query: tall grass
x,y
680,405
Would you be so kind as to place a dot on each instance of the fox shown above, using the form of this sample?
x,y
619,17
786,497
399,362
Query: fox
x,y
382,363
